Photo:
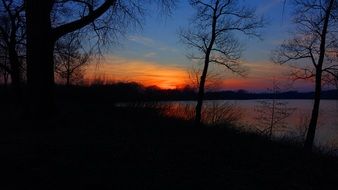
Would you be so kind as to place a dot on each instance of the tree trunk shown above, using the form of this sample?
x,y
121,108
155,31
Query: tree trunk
x,y
200,95
5,75
68,74
314,116
272,123
40,66
68,79
15,74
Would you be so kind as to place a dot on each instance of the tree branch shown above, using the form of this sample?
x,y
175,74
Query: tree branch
x,y
77,24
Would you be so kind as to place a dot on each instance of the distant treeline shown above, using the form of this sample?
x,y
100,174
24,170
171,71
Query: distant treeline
x,y
137,92
243,95
120,92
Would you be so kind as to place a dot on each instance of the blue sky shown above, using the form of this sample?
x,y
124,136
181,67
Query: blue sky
x,y
160,33
157,43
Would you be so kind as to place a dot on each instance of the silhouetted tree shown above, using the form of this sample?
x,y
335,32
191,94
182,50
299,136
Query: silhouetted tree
x,y
222,113
12,41
70,59
336,80
49,20
313,50
4,66
212,35
212,79
271,114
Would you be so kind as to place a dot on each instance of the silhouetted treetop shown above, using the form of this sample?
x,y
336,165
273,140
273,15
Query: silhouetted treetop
x,y
49,20
106,18
312,50
212,36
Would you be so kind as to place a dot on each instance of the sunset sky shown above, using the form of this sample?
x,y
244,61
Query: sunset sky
x,y
155,56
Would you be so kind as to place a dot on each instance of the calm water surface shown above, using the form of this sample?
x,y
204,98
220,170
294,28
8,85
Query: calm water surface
x,y
296,123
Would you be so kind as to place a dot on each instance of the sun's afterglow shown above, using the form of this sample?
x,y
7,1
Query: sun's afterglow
x,y
147,73
173,76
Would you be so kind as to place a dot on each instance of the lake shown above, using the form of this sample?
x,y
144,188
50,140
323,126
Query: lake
x,y
246,114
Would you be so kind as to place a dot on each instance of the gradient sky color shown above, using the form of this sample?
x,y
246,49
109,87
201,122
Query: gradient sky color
x,y
155,56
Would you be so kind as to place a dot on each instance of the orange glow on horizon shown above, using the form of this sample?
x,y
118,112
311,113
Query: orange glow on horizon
x,y
146,73
168,76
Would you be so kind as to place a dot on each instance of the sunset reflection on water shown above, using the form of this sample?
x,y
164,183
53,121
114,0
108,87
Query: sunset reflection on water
x,y
241,113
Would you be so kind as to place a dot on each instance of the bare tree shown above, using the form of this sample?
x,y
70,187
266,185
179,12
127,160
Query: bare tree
x,y
70,59
313,50
222,113
4,66
271,114
335,80
212,79
12,41
215,113
212,36
49,20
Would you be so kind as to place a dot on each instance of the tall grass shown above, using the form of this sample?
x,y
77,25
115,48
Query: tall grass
x,y
213,113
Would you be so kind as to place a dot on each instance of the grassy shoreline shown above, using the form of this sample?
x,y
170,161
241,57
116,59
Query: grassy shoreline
x,y
103,147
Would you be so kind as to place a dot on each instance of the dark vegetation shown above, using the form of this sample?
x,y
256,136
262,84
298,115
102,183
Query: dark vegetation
x,y
31,32
240,95
125,92
56,137
94,145
136,92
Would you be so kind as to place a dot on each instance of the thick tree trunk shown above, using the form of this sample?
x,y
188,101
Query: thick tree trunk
x,y
40,66
41,39
314,116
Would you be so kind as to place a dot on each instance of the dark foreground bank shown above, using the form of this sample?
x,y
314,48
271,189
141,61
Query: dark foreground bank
x,y
98,146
